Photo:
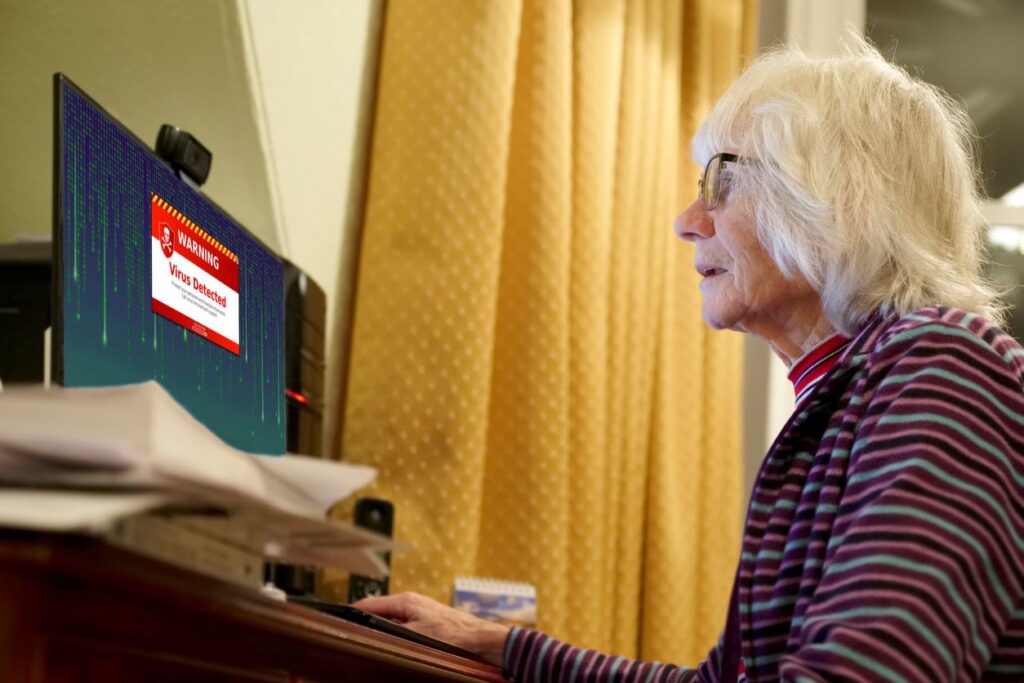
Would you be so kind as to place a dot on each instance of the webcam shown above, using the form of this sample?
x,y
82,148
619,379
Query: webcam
x,y
184,153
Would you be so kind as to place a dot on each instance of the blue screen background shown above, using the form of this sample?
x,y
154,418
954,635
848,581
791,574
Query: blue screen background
x,y
110,334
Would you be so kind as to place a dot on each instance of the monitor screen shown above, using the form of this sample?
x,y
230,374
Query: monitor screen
x,y
152,280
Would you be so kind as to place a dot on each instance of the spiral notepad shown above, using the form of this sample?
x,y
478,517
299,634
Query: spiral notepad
x,y
507,602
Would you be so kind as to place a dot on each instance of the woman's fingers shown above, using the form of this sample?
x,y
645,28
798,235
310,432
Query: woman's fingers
x,y
398,607
428,616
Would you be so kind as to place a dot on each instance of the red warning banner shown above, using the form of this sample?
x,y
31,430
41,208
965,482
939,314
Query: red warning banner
x,y
195,277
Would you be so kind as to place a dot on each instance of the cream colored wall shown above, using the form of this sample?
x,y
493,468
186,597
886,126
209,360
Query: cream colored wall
x,y
818,27
315,66
312,60
148,63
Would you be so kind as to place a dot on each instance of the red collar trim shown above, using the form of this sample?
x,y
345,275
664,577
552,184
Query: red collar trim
x,y
816,363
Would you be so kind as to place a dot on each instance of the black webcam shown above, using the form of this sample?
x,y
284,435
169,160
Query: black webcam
x,y
184,153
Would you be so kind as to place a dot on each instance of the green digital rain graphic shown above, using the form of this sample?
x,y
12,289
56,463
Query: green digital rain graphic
x,y
111,334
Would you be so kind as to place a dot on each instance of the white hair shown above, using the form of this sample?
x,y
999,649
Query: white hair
x,y
862,179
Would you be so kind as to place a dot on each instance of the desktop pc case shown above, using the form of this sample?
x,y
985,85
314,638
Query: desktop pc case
x,y
24,311
305,364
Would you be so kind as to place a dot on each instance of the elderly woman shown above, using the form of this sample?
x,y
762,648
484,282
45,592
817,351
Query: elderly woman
x,y
838,219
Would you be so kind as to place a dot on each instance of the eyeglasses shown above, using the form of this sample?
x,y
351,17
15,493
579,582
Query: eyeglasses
x,y
710,184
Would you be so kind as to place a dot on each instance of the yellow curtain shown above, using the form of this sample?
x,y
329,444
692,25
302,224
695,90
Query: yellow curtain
x,y
529,370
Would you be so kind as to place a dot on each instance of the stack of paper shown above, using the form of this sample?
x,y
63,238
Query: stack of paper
x,y
82,459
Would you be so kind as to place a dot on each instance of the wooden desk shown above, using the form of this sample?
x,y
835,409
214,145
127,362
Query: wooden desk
x,y
74,609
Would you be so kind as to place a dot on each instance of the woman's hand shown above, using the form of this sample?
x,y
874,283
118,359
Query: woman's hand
x,y
483,638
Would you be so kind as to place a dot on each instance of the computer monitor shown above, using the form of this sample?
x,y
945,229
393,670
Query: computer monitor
x,y
152,280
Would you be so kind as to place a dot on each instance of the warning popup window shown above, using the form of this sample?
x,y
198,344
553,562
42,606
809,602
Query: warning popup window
x,y
195,277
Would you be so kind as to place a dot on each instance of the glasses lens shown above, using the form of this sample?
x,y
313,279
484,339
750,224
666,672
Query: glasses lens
x,y
712,182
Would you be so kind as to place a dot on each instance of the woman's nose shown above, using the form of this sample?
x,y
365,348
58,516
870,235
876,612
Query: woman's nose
x,y
694,223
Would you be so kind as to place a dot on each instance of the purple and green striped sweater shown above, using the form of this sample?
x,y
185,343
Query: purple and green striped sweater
x,y
885,535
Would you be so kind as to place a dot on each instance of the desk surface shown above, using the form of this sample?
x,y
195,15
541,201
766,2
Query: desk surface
x,y
75,609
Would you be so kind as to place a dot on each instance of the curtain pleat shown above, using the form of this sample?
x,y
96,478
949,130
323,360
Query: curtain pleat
x,y
529,369
527,474
598,30
418,395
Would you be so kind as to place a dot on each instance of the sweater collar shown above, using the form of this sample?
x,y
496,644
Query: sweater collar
x,y
848,361
811,367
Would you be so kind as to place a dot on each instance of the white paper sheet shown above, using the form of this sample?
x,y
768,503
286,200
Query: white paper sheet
x,y
67,511
95,455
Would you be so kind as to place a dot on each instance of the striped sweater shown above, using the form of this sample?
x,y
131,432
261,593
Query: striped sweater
x,y
885,535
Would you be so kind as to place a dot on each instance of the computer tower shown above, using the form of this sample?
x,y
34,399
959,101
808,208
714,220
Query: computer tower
x,y
24,310
305,325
